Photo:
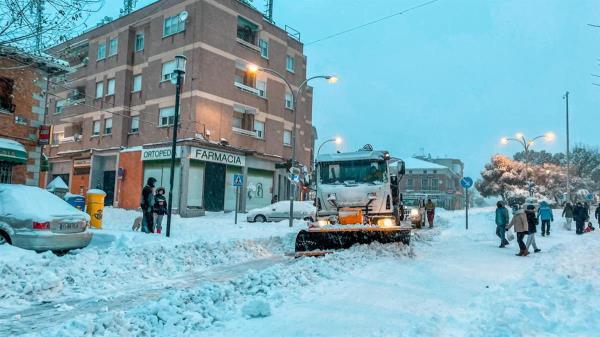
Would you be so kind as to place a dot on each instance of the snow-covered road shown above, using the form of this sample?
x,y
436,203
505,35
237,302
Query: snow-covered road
x,y
237,282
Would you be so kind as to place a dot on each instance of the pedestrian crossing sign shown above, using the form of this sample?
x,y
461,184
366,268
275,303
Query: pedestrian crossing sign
x,y
238,180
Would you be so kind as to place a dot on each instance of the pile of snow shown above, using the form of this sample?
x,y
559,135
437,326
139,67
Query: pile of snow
x,y
256,308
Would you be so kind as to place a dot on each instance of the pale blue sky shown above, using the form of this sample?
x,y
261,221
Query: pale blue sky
x,y
452,77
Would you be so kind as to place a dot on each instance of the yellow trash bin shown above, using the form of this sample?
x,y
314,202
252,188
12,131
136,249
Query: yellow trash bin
x,y
94,206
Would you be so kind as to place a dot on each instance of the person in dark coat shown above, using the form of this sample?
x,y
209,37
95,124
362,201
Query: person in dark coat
x,y
568,215
147,206
597,214
160,207
502,219
532,222
579,215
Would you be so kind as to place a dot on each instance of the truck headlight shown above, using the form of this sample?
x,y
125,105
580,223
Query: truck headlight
x,y
414,213
387,222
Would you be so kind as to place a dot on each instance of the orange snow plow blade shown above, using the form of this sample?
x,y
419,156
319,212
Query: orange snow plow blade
x,y
326,239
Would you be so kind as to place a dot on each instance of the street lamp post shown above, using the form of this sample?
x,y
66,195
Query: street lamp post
x,y
180,62
295,95
566,97
520,138
336,140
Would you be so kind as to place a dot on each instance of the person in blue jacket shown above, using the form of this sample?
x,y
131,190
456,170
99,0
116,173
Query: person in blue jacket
x,y
502,219
546,217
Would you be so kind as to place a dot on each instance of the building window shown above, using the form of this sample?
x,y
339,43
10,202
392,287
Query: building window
x,y
259,128
6,94
243,118
167,116
107,126
287,137
101,51
135,124
290,63
409,184
261,86
99,89
264,48
60,104
77,95
168,70
110,87
435,184
424,184
137,83
173,25
139,41
113,47
246,30
289,100
244,77
5,172
95,128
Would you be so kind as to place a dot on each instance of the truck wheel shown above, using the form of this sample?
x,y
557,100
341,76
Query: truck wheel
x,y
4,238
260,218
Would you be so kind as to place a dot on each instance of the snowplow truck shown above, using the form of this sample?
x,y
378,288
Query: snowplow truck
x,y
357,200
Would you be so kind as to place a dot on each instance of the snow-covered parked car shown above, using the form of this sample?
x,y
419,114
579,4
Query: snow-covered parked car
x,y
279,211
35,219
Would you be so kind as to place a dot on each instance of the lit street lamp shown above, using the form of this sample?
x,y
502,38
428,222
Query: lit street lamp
x,y
520,138
336,140
295,95
180,62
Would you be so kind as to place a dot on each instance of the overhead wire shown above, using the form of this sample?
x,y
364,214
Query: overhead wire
x,y
351,29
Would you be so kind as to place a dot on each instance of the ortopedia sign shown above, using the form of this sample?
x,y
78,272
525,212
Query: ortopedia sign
x,y
214,156
160,153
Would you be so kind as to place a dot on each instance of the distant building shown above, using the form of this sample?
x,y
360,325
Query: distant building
x,y
439,181
22,108
113,118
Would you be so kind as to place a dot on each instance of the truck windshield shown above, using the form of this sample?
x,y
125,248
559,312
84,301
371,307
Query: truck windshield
x,y
353,171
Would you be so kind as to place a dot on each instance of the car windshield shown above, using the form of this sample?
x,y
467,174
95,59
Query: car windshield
x,y
353,172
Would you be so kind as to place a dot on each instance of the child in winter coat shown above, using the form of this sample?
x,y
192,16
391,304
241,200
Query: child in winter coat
x,y
160,207
519,222
532,222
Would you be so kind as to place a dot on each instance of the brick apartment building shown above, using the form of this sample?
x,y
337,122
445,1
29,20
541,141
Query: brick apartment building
x,y
22,106
113,117
438,179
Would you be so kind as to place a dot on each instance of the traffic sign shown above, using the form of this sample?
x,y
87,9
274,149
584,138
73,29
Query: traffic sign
x,y
238,180
466,182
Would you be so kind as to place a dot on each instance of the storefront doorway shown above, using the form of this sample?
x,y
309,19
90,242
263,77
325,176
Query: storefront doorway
x,y
108,182
214,183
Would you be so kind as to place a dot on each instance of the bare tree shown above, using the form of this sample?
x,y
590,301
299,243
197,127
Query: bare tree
x,y
34,25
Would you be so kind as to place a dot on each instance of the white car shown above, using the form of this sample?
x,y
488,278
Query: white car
x,y
279,211
35,219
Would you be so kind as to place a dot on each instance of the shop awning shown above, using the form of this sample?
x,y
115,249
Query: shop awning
x,y
12,151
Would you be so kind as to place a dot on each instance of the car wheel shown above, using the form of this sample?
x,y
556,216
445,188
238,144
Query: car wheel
x,y
260,218
4,238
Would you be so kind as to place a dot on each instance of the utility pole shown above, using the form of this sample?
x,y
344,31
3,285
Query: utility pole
x,y
566,97
39,24
269,11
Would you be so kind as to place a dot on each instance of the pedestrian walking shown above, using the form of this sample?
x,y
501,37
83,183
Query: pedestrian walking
x,y
568,215
147,206
597,214
532,222
580,216
274,199
502,219
430,210
521,226
587,210
546,217
160,207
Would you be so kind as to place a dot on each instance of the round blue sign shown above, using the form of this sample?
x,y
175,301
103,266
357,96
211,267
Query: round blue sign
x,y
466,182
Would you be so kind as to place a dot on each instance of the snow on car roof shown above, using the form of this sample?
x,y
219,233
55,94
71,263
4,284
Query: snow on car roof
x,y
32,203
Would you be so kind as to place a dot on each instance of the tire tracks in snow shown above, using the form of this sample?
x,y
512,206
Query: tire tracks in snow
x,y
48,315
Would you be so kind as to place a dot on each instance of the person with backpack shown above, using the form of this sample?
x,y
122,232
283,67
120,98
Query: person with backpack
x,y
546,217
502,219
532,222
568,215
160,207
147,206
519,222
